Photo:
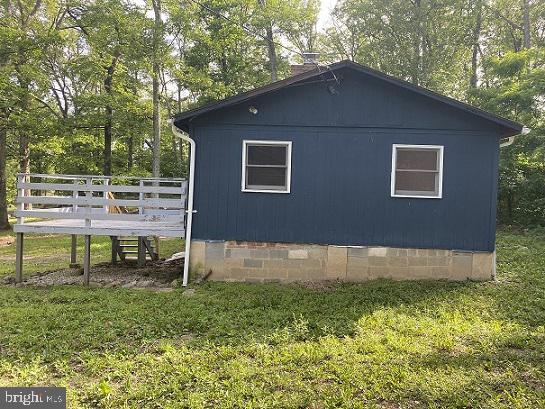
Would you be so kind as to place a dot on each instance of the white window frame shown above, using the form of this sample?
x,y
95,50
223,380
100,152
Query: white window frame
x,y
287,144
439,148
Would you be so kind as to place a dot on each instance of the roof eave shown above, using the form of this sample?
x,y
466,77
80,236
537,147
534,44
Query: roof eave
x,y
183,119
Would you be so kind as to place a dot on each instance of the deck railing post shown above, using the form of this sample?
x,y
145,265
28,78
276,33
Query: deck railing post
x,y
19,238
20,194
87,250
74,252
141,196
105,195
75,194
89,196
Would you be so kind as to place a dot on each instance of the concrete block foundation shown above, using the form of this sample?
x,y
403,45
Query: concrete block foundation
x,y
263,262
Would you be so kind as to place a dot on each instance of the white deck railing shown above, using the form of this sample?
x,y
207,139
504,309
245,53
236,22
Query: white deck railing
x,y
100,205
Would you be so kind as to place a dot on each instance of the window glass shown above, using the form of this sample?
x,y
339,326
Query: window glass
x,y
416,182
266,155
424,159
417,171
266,166
266,177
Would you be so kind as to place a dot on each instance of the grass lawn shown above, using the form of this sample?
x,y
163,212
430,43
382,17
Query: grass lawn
x,y
380,344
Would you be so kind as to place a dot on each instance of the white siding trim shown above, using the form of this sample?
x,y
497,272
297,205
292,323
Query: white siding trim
x,y
247,142
439,148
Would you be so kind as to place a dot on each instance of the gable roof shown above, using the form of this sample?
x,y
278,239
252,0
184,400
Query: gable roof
x,y
182,119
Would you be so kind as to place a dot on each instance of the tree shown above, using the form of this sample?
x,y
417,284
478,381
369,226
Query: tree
x,y
427,43
271,46
109,40
156,48
515,89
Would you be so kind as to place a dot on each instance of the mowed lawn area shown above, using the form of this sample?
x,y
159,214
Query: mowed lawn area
x,y
379,344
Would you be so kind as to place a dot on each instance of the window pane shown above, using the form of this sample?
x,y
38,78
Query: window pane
x,y
266,155
414,182
266,177
421,159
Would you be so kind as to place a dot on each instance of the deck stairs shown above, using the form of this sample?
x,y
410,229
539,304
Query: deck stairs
x,y
140,249
132,248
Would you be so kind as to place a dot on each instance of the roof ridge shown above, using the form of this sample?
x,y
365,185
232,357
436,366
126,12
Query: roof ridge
x,y
513,126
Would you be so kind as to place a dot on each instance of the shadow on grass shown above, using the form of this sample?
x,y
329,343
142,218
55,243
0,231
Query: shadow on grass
x,y
58,322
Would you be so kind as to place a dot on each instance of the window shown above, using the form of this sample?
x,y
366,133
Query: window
x,y
266,166
417,171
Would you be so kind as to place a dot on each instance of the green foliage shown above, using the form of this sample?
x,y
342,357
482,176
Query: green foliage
x,y
378,344
73,74
421,41
515,88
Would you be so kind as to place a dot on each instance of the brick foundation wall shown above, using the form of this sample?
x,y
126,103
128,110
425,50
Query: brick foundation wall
x,y
262,262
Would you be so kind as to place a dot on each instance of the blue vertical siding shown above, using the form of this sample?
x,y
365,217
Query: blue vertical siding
x,y
341,167
340,192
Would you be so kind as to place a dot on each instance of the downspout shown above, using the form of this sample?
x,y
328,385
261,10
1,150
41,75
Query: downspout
x,y
508,142
176,131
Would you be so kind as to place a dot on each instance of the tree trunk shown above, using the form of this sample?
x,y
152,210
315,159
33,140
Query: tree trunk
x,y
174,139
475,54
272,54
271,47
107,168
181,153
417,45
130,153
526,23
157,38
509,202
24,140
3,191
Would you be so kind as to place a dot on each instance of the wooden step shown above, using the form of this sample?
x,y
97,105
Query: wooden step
x,y
127,246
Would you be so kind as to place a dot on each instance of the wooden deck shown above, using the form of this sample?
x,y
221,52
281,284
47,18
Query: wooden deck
x,y
98,206
103,228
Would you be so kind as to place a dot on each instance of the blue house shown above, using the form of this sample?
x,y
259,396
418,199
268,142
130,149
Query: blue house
x,y
344,173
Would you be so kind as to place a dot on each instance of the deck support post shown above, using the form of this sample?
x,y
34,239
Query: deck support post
x,y
115,248
19,258
141,252
87,260
74,251
157,253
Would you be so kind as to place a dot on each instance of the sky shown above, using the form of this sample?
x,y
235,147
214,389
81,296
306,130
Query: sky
x,y
325,11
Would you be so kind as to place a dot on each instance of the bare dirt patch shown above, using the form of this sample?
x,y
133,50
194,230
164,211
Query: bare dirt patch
x,y
158,276
6,241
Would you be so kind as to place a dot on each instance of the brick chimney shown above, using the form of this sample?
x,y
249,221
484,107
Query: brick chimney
x,y
310,60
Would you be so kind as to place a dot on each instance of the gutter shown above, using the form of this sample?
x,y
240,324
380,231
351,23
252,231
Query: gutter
x,y
511,139
177,132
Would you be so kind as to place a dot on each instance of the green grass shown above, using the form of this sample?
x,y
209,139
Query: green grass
x,y
50,252
380,344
